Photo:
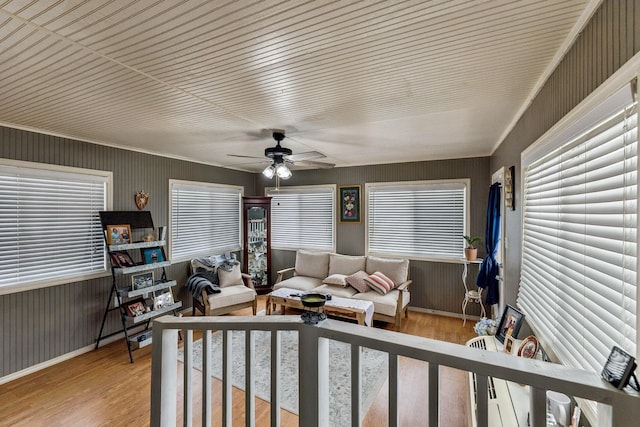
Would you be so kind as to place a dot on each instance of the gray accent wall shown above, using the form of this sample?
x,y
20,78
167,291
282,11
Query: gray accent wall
x,y
437,286
42,324
610,39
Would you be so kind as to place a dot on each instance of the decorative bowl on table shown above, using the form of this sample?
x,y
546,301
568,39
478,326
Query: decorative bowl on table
x,y
313,300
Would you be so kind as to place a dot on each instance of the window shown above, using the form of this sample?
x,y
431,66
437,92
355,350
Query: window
x,y
421,220
204,219
50,231
578,283
303,217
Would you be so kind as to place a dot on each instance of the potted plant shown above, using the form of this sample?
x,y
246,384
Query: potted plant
x,y
471,252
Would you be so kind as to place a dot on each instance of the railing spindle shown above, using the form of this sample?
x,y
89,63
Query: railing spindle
x,y
206,378
187,406
394,420
434,398
249,393
482,400
356,417
275,377
227,378
538,407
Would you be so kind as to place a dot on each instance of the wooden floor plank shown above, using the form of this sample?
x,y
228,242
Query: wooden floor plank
x,y
101,388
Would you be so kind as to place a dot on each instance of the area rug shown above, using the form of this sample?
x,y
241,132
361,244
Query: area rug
x,y
374,367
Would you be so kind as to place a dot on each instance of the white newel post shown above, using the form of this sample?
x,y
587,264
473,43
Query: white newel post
x,y
164,359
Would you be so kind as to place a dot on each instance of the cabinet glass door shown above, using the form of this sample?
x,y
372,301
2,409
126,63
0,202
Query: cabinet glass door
x,y
257,246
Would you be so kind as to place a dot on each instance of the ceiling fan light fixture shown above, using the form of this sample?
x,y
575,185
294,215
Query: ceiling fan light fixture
x,y
269,171
283,171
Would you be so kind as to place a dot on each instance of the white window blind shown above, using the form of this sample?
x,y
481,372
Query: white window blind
x,y
303,217
50,229
578,283
418,220
205,219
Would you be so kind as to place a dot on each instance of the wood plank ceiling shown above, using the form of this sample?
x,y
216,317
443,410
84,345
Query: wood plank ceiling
x,y
363,82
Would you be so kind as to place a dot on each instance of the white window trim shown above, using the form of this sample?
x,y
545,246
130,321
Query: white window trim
x,y
333,188
545,144
108,175
173,182
467,214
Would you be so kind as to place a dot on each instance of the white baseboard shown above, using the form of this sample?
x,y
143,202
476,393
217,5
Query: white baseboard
x,y
56,360
443,313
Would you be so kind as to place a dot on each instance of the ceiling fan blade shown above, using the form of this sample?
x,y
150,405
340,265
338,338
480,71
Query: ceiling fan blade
x,y
309,155
245,157
308,164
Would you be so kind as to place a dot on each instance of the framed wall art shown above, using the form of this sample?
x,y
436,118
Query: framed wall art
x,y
349,204
510,324
142,280
118,234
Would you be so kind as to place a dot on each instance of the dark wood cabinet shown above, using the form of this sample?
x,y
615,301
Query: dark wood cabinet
x,y
257,241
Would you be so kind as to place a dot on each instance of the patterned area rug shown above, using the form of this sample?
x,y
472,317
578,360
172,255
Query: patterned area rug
x,y
374,366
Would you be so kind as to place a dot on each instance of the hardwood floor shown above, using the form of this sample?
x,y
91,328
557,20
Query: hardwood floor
x,y
101,388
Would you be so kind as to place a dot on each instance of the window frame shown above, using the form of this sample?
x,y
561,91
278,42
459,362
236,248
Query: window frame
x,y
204,252
56,171
466,182
333,189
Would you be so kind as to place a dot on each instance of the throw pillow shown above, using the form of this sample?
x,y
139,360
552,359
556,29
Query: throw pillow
x,y
230,278
345,264
312,264
356,280
395,269
336,280
380,283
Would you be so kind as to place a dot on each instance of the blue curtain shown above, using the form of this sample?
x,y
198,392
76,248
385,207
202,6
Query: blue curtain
x,y
489,267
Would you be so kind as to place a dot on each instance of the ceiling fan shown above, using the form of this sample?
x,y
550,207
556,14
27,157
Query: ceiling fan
x,y
279,157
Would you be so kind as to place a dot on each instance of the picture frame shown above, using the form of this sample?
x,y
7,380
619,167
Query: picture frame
x,y
152,255
162,299
510,323
135,307
349,204
619,368
118,234
509,343
142,280
121,259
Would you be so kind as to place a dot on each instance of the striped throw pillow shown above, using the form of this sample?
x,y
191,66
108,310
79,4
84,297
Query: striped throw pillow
x,y
380,283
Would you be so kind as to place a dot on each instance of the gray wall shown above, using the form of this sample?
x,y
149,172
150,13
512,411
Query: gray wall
x,y
41,324
609,40
436,285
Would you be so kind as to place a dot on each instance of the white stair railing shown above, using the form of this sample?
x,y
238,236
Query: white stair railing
x,y
313,368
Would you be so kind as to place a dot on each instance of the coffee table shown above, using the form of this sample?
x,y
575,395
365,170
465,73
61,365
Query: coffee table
x,y
345,308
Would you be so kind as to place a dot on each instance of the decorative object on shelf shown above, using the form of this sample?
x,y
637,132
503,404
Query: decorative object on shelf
x,y
486,326
349,204
118,234
509,342
619,369
152,255
509,188
121,259
528,347
162,299
162,233
141,199
510,323
150,237
470,251
257,241
135,307
142,280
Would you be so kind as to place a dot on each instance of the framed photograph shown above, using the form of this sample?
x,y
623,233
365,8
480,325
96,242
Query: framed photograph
x,y
162,299
121,259
143,280
135,307
618,368
152,255
118,234
510,324
528,347
509,342
349,204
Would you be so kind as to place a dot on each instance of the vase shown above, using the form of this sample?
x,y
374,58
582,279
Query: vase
x,y
471,254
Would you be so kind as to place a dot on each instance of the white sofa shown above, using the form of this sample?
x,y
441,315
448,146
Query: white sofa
x,y
314,268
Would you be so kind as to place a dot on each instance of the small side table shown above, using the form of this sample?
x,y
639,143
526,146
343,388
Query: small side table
x,y
470,295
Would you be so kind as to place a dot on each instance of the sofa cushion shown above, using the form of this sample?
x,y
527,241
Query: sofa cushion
x,y
384,304
336,280
345,264
299,283
395,269
336,291
230,278
380,283
312,264
231,295
357,281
